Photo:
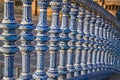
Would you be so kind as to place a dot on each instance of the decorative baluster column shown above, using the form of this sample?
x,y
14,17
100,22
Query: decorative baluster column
x,y
111,48
26,37
104,44
90,44
107,47
101,43
94,57
79,42
9,37
98,26
72,35
54,39
85,45
42,38
115,47
96,32
64,39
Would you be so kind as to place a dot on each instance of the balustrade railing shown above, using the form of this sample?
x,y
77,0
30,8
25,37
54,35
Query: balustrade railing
x,y
84,46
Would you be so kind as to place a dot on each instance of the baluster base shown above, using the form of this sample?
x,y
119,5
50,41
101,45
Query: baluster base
x,y
40,75
52,74
25,76
8,78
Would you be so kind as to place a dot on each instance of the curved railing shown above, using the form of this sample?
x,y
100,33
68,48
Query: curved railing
x,y
85,46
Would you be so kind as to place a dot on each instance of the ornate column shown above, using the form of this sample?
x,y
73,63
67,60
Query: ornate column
x,y
88,18
54,39
98,26
9,37
105,45
72,35
102,43
111,48
85,44
79,42
26,47
95,32
92,42
42,38
64,39
115,48
95,52
114,56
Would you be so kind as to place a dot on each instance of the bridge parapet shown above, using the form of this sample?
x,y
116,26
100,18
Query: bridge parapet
x,y
86,46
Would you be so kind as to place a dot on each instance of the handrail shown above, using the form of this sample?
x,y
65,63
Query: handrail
x,y
98,9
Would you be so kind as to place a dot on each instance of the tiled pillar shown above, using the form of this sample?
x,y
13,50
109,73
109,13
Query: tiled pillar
x,y
64,36
54,39
72,35
9,38
79,42
41,39
85,46
98,26
26,35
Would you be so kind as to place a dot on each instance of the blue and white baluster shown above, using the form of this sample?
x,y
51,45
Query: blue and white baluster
x,y
42,38
102,44
85,45
115,47
117,52
9,37
107,48
26,47
72,35
79,42
105,44
90,44
111,49
117,43
94,57
104,33
102,48
98,22
112,44
54,39
95,52
64,39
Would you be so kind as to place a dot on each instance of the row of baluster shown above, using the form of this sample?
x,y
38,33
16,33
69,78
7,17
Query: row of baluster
x,y
87,43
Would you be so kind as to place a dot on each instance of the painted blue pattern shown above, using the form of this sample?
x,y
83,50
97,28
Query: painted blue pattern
x,y
83,41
